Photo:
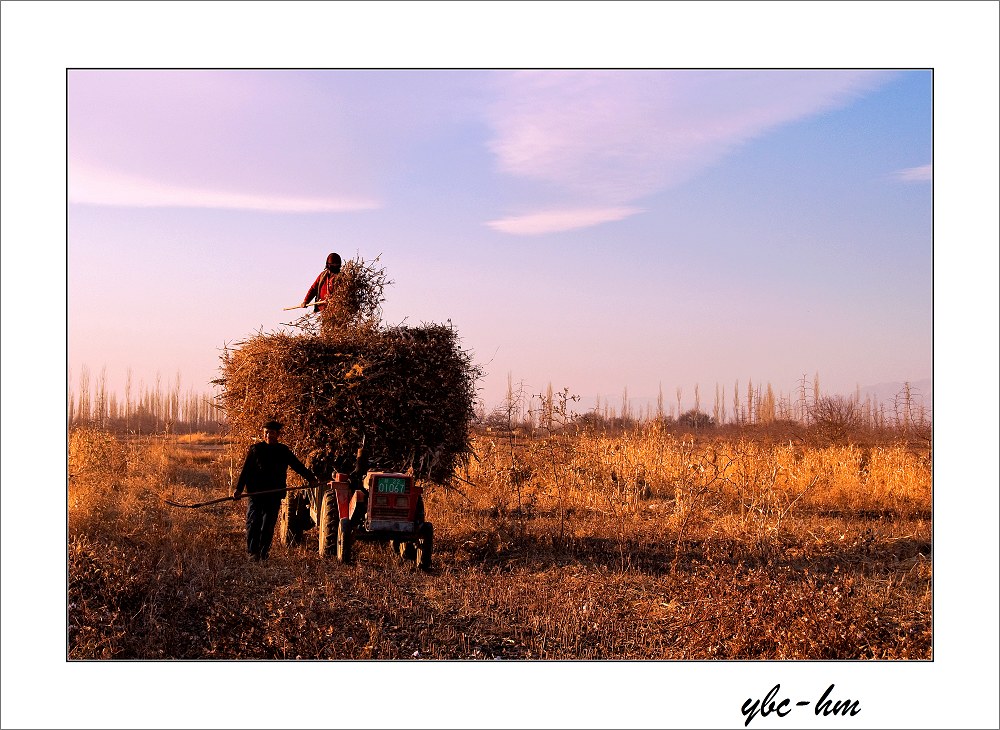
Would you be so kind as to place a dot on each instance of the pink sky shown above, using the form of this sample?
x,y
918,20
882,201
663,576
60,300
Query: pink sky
x,y
249,178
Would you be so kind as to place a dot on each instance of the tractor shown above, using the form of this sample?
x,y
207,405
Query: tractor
x,y
369,506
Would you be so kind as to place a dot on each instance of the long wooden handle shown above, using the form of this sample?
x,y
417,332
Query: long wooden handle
x,y
303,306
231,498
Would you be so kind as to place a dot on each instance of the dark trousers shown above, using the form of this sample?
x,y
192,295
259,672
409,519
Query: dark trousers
x,y
262,516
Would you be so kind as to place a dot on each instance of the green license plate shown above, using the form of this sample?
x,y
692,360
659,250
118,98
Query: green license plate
x,y
391,485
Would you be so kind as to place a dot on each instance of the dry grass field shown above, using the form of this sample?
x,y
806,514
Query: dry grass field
x,y
640,544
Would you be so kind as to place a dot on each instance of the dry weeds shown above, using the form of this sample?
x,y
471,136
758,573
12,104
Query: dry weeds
x,y
646,545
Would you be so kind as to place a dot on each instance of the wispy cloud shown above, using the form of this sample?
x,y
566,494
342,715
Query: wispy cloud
x,y
94,186
613,137
249,140
915,174
554,221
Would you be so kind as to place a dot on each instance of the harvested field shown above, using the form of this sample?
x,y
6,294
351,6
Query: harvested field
x,y
637,545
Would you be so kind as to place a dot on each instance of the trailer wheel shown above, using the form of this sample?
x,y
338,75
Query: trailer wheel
x,y
329,520
290,521
344,541
425,546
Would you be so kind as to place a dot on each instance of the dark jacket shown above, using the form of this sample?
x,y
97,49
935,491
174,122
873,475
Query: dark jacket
x,y
266,468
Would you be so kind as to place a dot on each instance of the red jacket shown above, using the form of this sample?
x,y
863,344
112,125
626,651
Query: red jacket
x,y
321,289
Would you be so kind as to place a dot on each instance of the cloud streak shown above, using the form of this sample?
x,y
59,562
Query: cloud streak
x,y
923,173
572,148
246,140
613,137
93,186
555,221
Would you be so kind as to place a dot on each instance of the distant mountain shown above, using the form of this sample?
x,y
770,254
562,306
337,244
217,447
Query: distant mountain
x,y
922,392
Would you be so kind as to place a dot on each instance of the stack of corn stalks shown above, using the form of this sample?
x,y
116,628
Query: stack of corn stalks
x,y
356,300
409,392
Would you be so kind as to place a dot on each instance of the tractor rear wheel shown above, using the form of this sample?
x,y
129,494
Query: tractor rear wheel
x,y
329,521
425,546
344,541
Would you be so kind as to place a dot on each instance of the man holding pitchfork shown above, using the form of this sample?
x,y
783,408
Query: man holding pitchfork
x,y
263,476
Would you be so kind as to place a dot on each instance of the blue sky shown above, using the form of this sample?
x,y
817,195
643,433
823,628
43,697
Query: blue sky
x,y
595,229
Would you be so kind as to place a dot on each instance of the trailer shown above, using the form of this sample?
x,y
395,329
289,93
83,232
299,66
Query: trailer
x,y
384,507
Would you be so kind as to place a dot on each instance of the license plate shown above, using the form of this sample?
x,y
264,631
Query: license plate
x,y
391,485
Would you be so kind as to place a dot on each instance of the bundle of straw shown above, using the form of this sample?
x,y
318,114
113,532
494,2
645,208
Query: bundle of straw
x,y
355,299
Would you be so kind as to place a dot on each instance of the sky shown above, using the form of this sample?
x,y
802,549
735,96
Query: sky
x,y
596,230
734,226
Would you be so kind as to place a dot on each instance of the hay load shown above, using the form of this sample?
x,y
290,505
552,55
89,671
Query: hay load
x,y
408,391
356,301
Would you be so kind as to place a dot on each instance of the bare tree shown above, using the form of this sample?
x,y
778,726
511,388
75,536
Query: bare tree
x,y
802,405
101,404
505,419
83,403
836,417
128,397
736,401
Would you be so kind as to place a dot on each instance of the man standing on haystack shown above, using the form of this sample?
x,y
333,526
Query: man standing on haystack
x,y
322,288
263,476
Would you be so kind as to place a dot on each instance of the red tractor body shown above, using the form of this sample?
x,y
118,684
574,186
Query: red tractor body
x,y
392,503
389,507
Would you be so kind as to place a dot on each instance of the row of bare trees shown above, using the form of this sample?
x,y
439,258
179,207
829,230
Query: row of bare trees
x,y
754,405
160,408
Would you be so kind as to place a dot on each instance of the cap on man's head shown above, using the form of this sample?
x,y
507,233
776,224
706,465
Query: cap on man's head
x,y
333,260
273,426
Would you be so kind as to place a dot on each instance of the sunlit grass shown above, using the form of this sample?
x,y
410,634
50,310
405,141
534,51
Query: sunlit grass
x,y
639,545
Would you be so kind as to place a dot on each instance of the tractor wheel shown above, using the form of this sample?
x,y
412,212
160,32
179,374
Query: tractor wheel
x,y
289,521
329,520
344,541
425,546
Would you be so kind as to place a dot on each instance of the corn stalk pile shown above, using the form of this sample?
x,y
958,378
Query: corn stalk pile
x,y
356,299
409,391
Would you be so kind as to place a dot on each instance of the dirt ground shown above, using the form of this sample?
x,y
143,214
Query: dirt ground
x,y
561,580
